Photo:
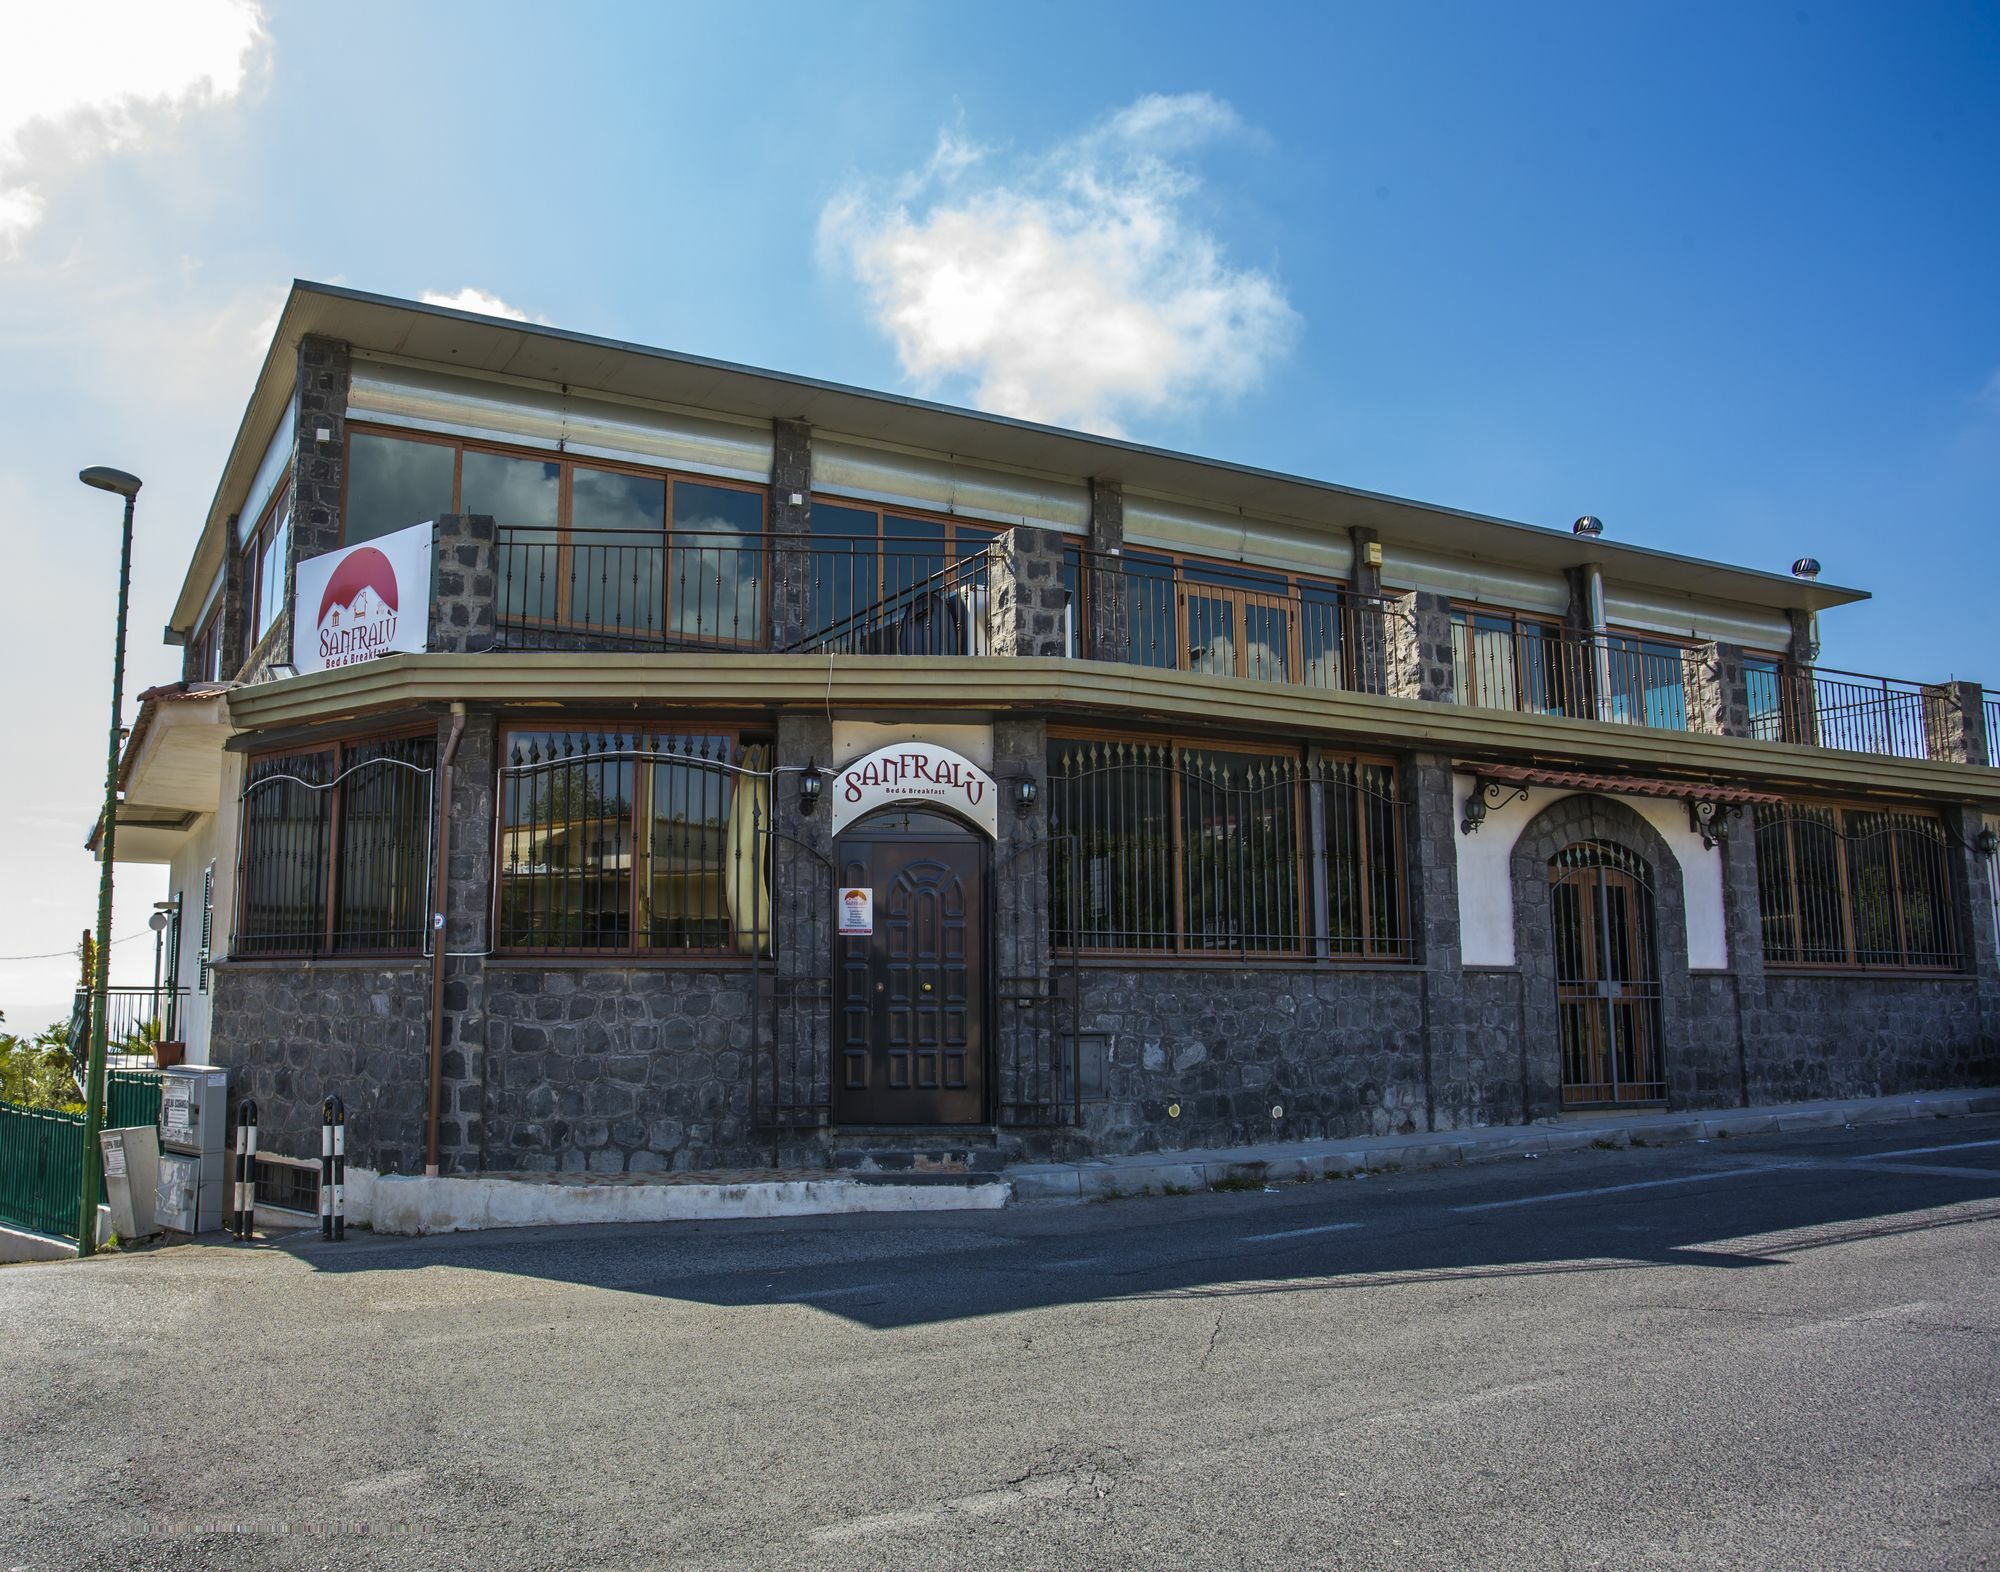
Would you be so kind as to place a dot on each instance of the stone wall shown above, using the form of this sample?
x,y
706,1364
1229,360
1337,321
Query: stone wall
x,y
1338,1050
618,1069
297,1031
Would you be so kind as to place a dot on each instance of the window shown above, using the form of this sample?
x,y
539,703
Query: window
x,y
1763,679
1503,661
1855,887
631,842
1226,619
1180,848
205,651
862,557
336,849
394,482
265,551
611,551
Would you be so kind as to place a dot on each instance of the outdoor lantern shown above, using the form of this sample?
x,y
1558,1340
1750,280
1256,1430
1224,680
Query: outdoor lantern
x,y
1986,843
1475,810
1025,792
809,788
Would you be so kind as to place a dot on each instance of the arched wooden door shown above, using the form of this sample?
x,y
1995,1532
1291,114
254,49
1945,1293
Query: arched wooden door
x,y
910,1033
1607,976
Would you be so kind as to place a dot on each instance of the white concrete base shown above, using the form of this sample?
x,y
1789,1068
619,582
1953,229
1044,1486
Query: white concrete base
x,y
25,1244
413,1204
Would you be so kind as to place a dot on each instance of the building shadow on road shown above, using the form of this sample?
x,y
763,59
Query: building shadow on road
x,y
887,1270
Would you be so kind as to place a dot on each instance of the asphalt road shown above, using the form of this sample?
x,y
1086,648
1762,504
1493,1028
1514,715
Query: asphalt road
x,y
1775,1352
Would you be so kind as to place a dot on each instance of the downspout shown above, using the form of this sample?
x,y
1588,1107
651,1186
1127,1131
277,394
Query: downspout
x,y
1593,582
437,937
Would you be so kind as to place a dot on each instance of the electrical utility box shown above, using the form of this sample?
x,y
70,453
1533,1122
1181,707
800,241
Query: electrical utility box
x,y
194,1148
131,1178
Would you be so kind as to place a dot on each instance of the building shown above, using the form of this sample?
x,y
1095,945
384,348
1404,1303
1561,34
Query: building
x,y
803,771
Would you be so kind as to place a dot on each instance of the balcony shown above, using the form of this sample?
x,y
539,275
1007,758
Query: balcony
x,y
1032,591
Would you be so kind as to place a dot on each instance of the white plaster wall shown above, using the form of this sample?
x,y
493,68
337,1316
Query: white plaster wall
x,y
1486,891
184,880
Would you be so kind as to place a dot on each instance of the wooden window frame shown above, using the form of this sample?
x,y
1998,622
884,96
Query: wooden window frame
x,y
1292,586
704,958
1852,964
566,466
255,543
952,552
336,796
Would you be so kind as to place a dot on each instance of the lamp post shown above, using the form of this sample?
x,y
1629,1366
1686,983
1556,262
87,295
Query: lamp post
x,y
126,486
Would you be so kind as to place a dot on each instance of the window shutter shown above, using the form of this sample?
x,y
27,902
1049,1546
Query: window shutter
x,y
207,926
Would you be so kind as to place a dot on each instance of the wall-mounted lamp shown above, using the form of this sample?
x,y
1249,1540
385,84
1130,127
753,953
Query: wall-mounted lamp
x,y
282,668
1025,793
809,787
1475,811
1986,843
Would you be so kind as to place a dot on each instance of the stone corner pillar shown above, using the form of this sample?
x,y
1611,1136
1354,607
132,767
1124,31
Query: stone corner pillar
x,y
1025,596
791,533
1420,648
1955,723
465,597
468,930
1716,690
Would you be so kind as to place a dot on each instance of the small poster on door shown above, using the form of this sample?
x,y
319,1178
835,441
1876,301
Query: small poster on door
x,y
857,913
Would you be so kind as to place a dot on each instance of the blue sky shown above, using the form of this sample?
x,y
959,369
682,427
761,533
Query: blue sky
x,y
1722,275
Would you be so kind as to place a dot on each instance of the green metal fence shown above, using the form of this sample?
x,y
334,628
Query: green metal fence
x,y
131,1097
41,1168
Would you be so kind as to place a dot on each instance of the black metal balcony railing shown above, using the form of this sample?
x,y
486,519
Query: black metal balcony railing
x,y
1224,623
1822,708
136,1018
1605,677
637,588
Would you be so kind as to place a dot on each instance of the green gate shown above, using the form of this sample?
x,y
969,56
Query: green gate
x,y
131,1097
41,1168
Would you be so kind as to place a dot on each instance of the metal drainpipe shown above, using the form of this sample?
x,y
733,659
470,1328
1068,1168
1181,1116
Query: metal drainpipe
x,y
437,937
1600,651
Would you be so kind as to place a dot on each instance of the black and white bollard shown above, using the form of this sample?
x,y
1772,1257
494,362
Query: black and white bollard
x,y
244,1222
332,1169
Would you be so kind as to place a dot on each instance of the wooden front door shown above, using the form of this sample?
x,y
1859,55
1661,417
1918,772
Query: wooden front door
x,y
1607,982
910,1034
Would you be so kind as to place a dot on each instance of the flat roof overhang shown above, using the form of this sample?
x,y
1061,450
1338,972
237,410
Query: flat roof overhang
x,y
442,336
1128,697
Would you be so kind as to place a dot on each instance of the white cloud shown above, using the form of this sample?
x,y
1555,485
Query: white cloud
x,y
470,299
1078,288
80,82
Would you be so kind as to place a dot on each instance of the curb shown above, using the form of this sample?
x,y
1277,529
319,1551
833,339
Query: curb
x,y
1172,1172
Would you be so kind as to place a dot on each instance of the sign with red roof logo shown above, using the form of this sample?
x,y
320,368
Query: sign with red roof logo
x,y
363,601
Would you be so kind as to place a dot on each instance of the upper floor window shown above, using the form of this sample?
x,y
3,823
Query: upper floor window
x,y
1225,619
394,482
1506,660
265,551
1855,887
585,546
864,557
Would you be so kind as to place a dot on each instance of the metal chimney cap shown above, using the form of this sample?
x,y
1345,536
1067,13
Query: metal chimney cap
x,y
1806,568
1589,524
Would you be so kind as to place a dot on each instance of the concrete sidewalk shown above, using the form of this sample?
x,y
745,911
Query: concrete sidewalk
x,y
1281,1162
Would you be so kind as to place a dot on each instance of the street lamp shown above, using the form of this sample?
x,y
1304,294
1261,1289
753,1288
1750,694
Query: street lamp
x,y
126,486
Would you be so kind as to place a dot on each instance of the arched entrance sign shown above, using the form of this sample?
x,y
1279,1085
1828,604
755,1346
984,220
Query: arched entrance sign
x,y
916,772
